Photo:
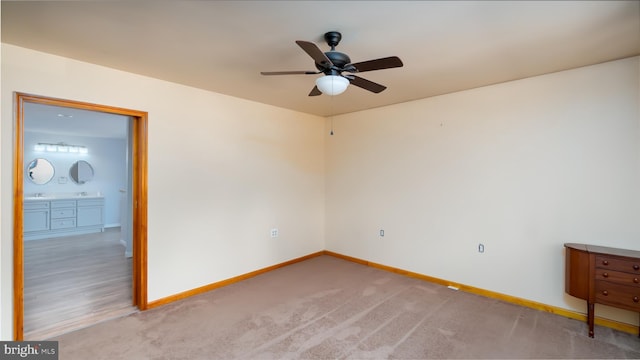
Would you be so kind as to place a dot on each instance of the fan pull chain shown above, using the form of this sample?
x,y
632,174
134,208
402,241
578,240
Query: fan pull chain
x,y
331,110
331,133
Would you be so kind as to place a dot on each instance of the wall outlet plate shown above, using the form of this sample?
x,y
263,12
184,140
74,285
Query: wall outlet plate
x,y
274,232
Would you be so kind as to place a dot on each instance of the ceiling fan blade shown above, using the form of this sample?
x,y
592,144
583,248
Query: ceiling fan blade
x,y
289,72
314,51
315,91
366,84
378,64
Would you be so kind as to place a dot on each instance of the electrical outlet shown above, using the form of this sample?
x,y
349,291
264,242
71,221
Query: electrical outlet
x,y
480,248
381,232
274,232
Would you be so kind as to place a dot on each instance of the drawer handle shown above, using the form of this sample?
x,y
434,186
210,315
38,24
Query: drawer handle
x,y
636,280
605,262
636,299
636,267
605,292
605,275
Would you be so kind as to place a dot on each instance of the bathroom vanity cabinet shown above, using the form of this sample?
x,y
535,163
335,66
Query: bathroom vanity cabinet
x,y
54,217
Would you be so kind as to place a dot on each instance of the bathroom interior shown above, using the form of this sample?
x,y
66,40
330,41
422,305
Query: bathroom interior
x,y
76,201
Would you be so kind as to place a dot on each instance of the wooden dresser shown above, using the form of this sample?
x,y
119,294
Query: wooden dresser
x,y
603,275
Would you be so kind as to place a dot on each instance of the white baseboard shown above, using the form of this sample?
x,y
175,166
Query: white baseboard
x,y
127,254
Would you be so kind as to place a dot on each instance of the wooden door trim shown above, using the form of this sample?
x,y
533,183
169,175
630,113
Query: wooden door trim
x,y
139,195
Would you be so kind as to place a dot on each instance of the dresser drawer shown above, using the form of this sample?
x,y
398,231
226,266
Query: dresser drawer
x,y
90,202
618,277
607,262
63,204
63,213
36,205
626,297
63,223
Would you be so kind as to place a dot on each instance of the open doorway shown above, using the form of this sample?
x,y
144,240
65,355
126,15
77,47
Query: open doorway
x,y
81,219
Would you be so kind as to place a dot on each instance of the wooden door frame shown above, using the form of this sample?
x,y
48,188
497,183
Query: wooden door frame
x,y
139,195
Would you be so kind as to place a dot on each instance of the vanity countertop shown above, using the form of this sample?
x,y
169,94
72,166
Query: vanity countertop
x,y
63,196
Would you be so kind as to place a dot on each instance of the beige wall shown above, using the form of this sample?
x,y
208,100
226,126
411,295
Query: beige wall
x,y
222,172
521,167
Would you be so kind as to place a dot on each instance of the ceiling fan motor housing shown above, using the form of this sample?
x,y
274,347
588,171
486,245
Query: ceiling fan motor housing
x,y
338,59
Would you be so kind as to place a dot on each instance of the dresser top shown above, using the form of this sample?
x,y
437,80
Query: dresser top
x,y
595,249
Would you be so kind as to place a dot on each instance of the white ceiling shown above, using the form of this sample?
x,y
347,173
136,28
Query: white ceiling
x,y
51,119
222,46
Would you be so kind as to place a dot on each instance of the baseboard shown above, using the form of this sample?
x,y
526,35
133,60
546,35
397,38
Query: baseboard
x,y
209,287
629,328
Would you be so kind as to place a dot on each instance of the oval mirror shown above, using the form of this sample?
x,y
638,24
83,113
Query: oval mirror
x,y
81,172
40,171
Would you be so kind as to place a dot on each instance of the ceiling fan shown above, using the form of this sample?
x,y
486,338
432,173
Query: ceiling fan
x,y
333,63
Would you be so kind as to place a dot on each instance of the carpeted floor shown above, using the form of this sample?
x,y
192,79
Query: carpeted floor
x,y
329,308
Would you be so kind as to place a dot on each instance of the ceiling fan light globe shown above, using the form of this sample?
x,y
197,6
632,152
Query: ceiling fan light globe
x,y
332,84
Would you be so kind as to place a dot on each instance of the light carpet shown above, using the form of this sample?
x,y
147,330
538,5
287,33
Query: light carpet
x,y
329,308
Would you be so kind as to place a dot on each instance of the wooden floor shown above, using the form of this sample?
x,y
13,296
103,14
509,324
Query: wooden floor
x,y
73,282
